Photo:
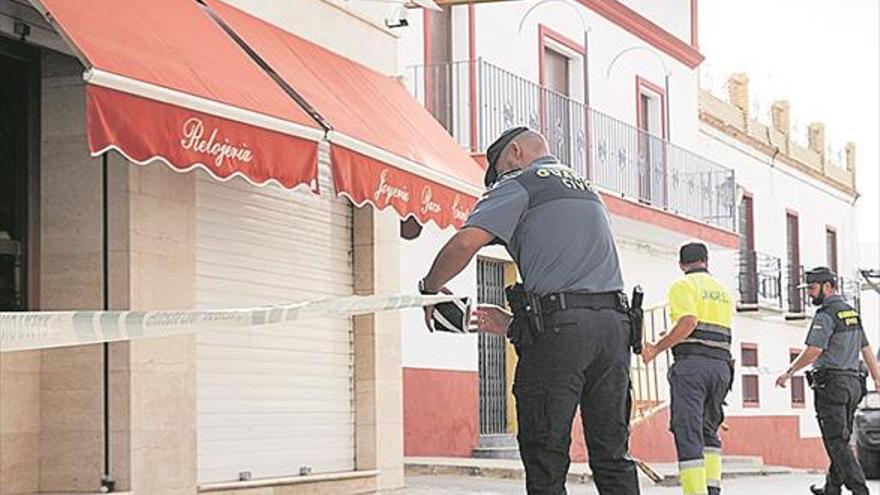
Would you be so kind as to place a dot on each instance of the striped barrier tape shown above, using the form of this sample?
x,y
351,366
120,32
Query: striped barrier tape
x,y
21,331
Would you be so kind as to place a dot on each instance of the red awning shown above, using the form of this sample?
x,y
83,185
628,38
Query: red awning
x,y
386,149
165,82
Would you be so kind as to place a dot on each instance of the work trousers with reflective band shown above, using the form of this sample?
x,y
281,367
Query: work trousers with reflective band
x,y
581,359
698,386
836,405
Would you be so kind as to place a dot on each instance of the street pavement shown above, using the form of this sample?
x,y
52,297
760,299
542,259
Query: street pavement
x,y
788,484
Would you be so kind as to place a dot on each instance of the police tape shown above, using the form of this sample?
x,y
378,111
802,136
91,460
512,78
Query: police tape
x,y
20,331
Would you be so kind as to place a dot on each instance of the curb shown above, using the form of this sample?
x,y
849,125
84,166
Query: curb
x,y
486,472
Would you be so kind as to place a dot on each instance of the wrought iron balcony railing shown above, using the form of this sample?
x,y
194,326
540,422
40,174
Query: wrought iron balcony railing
x,y
851,290
476,101
760,281
795,297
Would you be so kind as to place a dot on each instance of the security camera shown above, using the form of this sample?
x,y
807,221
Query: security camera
x,y
396,18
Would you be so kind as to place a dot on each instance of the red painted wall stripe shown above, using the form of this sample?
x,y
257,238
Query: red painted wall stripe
x,y
440,412
671,221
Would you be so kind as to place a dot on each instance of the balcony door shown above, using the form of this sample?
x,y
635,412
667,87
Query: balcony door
x,y
650,116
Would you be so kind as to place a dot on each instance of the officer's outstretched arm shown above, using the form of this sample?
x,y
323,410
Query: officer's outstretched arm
x,y
807,357
456,255
871,361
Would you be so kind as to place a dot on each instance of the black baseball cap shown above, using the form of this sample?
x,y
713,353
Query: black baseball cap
x,y
693,252
495,149
819,275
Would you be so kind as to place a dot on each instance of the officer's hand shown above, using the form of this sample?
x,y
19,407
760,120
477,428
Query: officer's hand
x,y
649,352
782,380
492,319
429,311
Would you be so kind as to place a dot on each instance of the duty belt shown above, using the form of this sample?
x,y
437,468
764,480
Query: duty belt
x,y
706,340
838,372
583,300
818,378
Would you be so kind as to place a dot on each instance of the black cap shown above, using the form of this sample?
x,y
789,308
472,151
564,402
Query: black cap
x,y
819,275
495,149
693,252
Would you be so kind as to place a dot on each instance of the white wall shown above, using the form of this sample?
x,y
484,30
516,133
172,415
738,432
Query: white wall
x,y
777,187
651,266
774,338
421,348
352,29
672,15
500,41
869,259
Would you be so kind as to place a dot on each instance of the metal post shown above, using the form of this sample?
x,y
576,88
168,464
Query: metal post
x,y
666,89
107,483
779,282
587,130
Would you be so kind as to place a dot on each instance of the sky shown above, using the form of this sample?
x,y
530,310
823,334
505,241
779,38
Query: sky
x,y
823,57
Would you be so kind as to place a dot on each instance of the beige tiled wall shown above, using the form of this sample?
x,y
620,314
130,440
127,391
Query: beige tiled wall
x,y
162,372
70,448
51,429
19,422
378,380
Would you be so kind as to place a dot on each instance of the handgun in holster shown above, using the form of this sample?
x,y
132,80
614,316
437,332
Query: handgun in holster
x,y
636,319
816,379
528,321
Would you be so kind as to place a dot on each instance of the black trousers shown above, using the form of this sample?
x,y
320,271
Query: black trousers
x,y
581,359
836,405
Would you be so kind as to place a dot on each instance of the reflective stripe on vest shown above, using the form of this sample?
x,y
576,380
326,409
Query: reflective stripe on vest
x,y
707,334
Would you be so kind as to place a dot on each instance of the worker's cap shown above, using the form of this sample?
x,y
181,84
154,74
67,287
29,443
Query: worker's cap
x,y
818,275
496,148
693,252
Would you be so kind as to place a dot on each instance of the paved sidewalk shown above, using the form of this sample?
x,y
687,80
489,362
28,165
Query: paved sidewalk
x,y
783,484
734,467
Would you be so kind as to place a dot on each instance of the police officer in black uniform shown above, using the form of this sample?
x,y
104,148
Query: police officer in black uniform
x,y
834,342
571,323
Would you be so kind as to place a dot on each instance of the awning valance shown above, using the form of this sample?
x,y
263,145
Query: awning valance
x,y
386,149
207,85
165,82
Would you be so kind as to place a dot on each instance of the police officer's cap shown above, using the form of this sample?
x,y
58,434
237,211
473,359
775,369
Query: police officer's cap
x,y
494,152
819,275
693,252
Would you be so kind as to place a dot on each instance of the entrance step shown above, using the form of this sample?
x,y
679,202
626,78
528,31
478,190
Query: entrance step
x,y
496,453
498,446
498,440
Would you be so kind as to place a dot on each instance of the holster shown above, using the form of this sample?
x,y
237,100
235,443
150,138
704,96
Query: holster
x,y
636,319
863,378
528,322
816,379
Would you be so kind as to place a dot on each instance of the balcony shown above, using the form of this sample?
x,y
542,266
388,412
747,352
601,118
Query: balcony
x,y
795,297
851,290
760,282
476,101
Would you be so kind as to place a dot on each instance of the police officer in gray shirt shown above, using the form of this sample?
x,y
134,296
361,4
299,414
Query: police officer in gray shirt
x,y
834,343
556,228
